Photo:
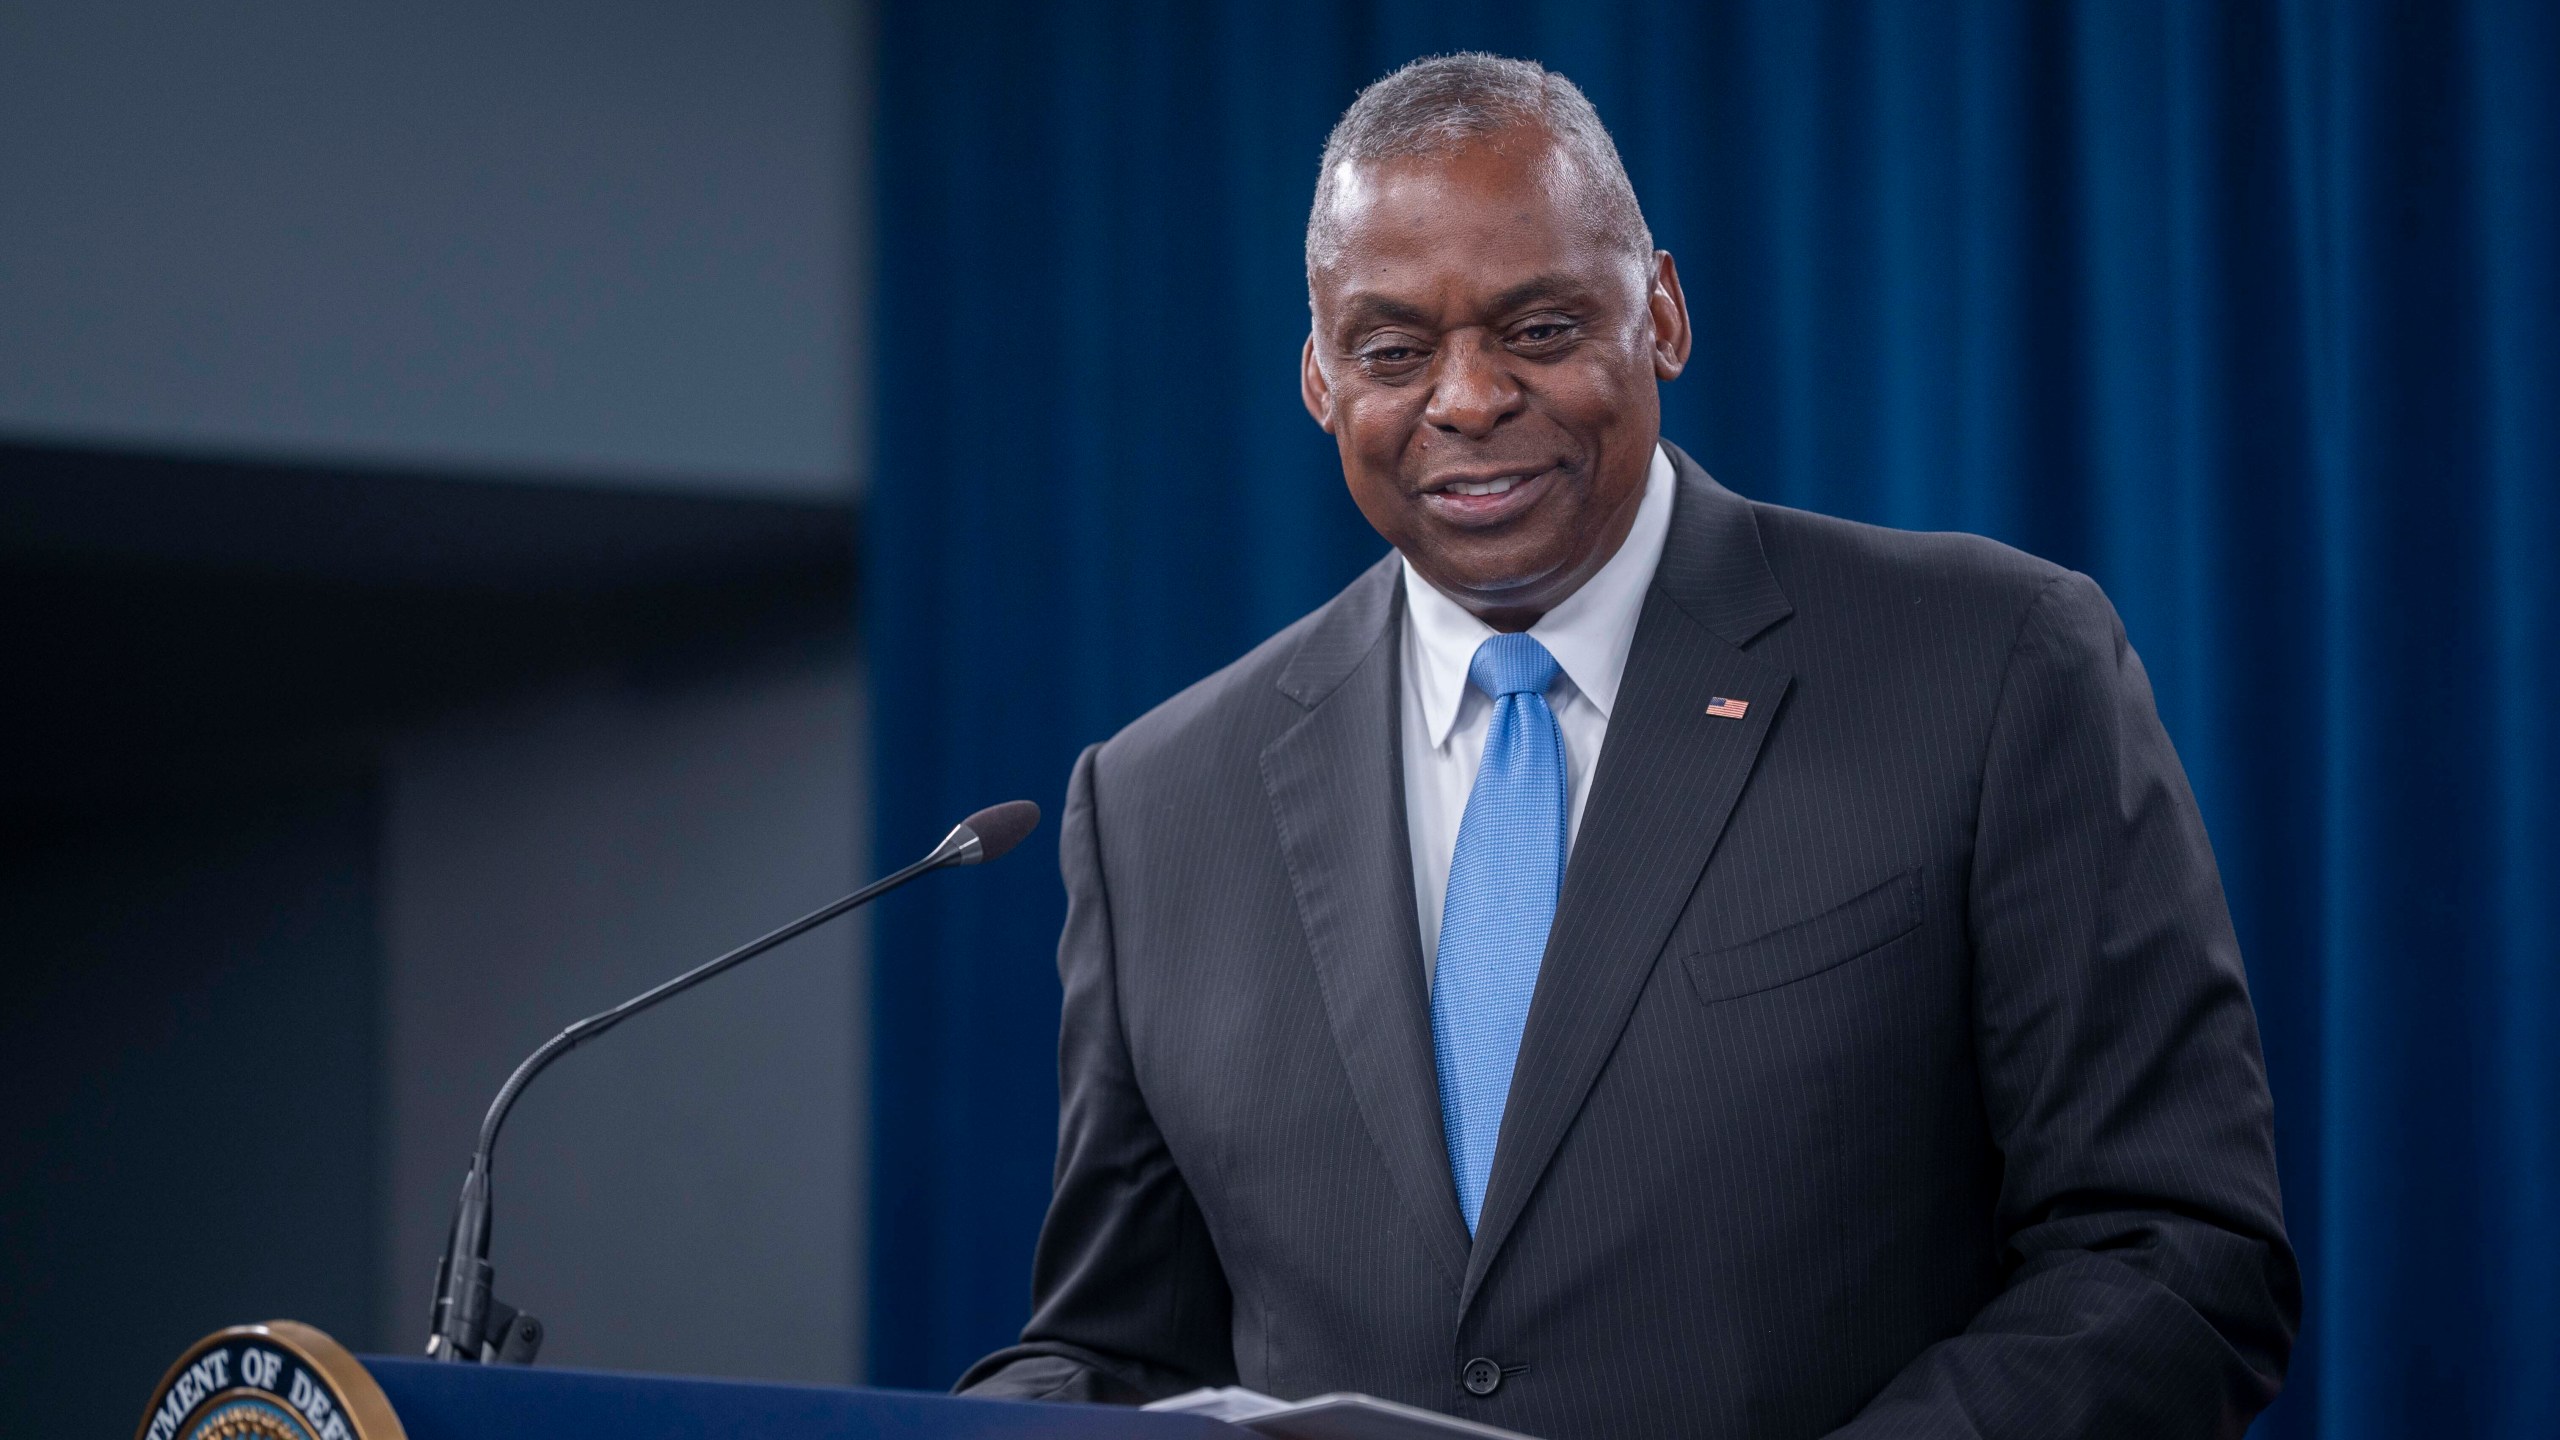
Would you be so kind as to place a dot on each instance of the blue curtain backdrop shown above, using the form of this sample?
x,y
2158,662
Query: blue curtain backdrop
x,y
2247,309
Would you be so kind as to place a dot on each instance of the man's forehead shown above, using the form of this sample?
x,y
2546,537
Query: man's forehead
x,y
1488,218
1448,269
1522,169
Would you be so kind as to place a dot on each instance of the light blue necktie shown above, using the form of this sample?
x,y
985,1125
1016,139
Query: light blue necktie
x,y
1503,880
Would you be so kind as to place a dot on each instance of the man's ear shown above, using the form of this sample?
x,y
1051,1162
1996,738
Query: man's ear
x,y
1312,386
1670,319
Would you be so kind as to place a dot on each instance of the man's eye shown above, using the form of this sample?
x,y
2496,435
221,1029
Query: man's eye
x,y
1390,355
1539,334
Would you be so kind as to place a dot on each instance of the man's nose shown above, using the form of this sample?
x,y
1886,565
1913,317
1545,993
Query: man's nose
x,y
1474,390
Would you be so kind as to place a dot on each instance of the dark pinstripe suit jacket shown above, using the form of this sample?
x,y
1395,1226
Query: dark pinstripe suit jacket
x,y
1891,1065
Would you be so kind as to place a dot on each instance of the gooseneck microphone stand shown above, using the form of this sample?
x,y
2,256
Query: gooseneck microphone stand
x,y
471,1324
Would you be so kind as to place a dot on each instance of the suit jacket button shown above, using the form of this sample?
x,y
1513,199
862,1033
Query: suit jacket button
x,y
1481,1377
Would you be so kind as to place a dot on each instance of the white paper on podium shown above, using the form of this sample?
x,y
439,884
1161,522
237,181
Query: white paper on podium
x,y
1328,1417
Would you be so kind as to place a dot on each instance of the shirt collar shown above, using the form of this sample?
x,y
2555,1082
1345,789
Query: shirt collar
x,y
1590,633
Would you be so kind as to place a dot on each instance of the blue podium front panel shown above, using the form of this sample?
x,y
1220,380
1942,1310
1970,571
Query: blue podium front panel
x,y
491,1402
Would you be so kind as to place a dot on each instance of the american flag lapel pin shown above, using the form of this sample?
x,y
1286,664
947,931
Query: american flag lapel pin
x,y
1724,709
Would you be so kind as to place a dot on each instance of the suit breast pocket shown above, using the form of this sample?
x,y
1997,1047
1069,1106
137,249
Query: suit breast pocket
x,y
1808,947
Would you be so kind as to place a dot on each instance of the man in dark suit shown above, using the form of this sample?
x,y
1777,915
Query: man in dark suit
x,y
1642,962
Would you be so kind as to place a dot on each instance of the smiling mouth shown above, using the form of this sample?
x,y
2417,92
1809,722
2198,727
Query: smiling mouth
x,y
1477,486
1476,501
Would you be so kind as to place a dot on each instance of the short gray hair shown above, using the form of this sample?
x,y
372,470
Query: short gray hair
x,y
1439,104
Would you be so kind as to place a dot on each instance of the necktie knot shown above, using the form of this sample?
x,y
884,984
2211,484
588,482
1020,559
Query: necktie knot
x,y
1511,665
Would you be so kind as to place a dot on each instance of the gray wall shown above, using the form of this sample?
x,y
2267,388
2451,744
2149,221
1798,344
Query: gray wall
x,y
683,1195
428,446
606,238
186,1054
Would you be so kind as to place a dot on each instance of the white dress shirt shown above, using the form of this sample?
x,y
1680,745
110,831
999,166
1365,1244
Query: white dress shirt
x,y
1445,718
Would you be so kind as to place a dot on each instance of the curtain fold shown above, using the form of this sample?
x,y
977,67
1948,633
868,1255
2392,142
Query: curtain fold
x,y
2245,307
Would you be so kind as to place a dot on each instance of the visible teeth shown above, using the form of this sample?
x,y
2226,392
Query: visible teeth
x,y
1482,487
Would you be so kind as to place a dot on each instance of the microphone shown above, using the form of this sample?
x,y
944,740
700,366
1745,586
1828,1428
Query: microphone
x,y
469,1323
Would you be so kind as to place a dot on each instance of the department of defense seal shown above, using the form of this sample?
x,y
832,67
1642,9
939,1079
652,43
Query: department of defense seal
x,y
279,1381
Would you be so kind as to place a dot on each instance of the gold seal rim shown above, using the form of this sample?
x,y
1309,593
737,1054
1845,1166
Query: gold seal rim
x,y
368,1409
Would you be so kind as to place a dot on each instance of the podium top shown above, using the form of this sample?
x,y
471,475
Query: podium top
x,y
483,1402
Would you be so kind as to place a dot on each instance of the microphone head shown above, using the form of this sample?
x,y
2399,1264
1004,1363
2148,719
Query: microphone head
x,y
1001,827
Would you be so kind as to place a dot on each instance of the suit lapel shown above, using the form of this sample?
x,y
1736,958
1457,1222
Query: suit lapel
x,y
1336,784
1668,778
